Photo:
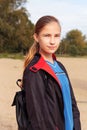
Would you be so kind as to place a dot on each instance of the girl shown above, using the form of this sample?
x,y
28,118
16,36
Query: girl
x,y
50,101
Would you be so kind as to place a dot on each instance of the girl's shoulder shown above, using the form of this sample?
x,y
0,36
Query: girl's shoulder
x,y
62,66
33,61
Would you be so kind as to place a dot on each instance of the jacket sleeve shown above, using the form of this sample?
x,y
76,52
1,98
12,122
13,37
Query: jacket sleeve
x,y
76,113
38,113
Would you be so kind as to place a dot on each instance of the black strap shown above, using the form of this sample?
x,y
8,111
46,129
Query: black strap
x,y
19,83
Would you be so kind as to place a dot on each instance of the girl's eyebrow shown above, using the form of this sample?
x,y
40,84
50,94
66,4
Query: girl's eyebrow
x,y
49,33
45,34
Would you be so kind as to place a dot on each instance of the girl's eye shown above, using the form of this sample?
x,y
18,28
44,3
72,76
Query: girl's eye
x,y
46,35
57,35
49,35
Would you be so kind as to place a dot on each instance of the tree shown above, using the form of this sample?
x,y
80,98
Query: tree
x,y
73,43
15,27
73,51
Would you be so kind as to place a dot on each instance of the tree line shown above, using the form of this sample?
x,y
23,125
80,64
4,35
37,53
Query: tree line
x,y
15,27
74,43
16,31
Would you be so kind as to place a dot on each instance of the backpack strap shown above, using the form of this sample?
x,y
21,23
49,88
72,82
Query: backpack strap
x,y
19,83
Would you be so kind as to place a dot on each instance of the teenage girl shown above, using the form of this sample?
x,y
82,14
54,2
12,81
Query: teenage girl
x,y
50,100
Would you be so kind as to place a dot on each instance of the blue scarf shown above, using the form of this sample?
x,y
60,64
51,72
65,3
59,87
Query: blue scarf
x,y
66,94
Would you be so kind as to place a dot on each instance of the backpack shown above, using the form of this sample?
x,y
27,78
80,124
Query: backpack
x,y
20,106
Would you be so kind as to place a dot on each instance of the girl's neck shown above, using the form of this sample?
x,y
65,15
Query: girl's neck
x,y
48,57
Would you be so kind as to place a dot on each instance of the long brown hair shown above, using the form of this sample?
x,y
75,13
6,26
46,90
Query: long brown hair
x,y
43,21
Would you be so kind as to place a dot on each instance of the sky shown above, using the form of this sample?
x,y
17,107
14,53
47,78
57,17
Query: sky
x,y
72,14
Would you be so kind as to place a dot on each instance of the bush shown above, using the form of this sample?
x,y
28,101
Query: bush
x,y
73,51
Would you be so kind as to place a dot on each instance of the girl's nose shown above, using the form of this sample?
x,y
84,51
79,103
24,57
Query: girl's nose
x,y
52,40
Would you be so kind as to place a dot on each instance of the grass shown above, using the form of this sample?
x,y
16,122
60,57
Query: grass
x,y
21,56
12,55
67,56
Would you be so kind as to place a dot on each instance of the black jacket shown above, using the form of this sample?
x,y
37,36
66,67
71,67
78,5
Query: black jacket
x,y
44,100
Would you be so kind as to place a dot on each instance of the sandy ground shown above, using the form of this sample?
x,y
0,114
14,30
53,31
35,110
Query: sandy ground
x,y
11,70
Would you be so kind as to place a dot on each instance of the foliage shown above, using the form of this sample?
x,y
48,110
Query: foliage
x,y
73,44
15,28
16,31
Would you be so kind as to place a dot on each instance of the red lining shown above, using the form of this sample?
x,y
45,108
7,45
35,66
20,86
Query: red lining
x,y
41,64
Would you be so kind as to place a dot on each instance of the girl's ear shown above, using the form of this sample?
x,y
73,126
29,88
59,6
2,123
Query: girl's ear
x,y
35,36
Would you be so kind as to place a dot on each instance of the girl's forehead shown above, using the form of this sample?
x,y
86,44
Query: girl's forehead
x,y
52,26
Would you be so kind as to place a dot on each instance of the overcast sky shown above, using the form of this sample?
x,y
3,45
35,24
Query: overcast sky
x,y
72,14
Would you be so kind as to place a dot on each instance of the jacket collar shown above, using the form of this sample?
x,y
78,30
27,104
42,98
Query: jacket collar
x,y
41,64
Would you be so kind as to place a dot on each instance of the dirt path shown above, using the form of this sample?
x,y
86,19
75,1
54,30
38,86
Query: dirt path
x,y
10,70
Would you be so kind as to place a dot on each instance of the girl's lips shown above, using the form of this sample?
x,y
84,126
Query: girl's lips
x,y
51,47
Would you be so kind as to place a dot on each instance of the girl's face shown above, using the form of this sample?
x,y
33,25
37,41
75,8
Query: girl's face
x,y
48,38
